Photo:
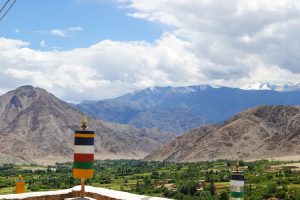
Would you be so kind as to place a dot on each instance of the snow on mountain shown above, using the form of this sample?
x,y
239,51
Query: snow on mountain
x,y
178,109
275,87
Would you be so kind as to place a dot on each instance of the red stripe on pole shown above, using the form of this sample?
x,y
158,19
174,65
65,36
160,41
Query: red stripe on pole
x,y
83,157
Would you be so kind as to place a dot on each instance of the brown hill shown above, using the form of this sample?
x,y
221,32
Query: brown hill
x,y
37,127
263,132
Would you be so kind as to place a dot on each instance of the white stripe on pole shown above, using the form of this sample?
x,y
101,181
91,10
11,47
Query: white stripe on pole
x,y
236,183
236,189
84,149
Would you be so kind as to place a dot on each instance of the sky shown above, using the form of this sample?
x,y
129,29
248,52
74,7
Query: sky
x,y
96,49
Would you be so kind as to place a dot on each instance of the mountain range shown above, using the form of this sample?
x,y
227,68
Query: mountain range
x,y
179,109
263,132
37,127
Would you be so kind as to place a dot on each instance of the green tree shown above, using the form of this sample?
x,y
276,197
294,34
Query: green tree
x,y
270,190
212,187
206,195
224,196
188,187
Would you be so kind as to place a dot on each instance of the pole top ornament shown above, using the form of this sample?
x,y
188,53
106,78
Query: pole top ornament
x,y
84,122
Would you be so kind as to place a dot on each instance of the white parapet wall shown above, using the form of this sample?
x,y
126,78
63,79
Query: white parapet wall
x,y
37,195
99,193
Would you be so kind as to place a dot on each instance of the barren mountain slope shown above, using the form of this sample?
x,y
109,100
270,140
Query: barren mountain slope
x,y
37,127
263,132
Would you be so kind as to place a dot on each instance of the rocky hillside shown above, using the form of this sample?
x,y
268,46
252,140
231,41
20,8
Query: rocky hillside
x,y
263,132
37,127
179,109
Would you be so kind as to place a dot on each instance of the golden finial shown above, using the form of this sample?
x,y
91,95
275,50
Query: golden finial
x,y
84,122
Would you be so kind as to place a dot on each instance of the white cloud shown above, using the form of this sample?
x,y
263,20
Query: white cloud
x,y
11,44
65,32
94,72
210,42
229,35
57,32
43,43
75,29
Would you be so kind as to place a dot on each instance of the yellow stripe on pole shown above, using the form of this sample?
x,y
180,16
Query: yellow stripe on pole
x,y
20,187
84,135
83,173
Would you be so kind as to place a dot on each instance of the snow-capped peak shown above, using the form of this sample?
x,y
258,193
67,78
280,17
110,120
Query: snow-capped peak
x,y
183,90
153,89
268,86
257,86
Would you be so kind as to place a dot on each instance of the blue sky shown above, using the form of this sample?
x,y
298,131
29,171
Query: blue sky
x,y
33,20
96,49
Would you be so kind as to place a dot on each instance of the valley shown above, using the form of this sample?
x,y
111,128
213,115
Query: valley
x,y
183,181
37,130
150,100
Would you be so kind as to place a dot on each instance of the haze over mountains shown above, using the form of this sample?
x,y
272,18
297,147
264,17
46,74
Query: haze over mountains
x,y
179,109
263,132
37,127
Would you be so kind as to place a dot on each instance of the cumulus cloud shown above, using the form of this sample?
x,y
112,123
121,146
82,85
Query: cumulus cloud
x,y
229,35
106,69
209,42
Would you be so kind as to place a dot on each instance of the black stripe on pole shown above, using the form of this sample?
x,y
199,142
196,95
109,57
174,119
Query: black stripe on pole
x,y
84,141
237,177
85,132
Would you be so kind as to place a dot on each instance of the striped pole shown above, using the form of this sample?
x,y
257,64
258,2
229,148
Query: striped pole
x,y
237,185
83,154
20,185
